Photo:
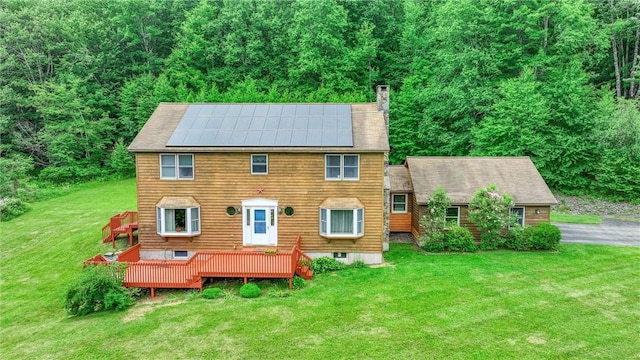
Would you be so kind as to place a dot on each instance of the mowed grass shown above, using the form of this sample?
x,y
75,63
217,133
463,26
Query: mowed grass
x,y
578,303
575,218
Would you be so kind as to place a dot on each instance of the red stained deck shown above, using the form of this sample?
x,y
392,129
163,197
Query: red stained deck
x,y
224,264
125,223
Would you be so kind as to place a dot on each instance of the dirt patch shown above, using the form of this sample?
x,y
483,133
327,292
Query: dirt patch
x,y
143,307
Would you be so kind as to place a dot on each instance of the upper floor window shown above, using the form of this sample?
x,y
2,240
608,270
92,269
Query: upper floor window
x,y
399,203
452,216
176,166
342,167
259,164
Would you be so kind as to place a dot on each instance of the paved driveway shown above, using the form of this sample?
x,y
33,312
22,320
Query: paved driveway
x,y
610,232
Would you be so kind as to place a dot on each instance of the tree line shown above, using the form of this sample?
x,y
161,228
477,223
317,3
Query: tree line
x,y
556,80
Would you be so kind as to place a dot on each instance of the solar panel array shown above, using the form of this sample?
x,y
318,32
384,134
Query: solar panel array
x,y
264,125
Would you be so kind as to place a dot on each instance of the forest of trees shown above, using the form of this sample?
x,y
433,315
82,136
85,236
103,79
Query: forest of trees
x,y
556,80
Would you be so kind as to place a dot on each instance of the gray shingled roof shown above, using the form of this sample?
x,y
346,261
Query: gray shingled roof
x,y
400,180
368,131
461,177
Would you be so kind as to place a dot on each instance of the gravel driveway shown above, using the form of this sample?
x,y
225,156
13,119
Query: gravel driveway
x,y
609,232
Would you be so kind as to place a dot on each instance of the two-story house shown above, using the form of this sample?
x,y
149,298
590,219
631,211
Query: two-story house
x,y
224,177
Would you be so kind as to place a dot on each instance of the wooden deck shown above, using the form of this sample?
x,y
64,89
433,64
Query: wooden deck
x,y
189,274
125,223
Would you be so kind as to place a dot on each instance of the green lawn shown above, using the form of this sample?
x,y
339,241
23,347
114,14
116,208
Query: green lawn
x,y
575,218
578,303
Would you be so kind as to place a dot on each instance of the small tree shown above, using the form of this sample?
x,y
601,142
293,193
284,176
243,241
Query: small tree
x,y
489,211
98,288
433,222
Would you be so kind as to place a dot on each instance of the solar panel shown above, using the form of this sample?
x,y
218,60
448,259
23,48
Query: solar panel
x,y
265,125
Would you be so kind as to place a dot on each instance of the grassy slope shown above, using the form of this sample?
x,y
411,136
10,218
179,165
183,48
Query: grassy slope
x,y
580,302
575,219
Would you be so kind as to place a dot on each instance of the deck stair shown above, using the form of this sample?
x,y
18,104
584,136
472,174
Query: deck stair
x,y
125,223
226,264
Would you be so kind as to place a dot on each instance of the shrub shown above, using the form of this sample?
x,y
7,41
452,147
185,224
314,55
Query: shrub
x,y
545,237
433,242
211,293
298,282
490,241
98,288
249,291
12,208
519,238
358,264
326,264
459,239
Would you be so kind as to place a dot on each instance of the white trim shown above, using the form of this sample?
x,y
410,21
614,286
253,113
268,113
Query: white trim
x,y
524,211
249,236
176,166
161,219
457,217
266,164
326,221
393,203
341,176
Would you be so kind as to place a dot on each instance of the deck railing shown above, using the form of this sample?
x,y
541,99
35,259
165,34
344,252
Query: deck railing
x,y
124,223
130,255
188,274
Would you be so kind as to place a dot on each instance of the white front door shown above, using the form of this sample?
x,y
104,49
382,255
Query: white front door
x,y
260,222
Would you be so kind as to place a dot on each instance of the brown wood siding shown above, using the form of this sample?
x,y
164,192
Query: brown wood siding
x,y
294,179
530,217
401,222
417,213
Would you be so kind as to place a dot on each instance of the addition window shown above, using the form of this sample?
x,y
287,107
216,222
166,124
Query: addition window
x,y
517,216
452,215
259,164
342,167
176,166
342,222
399,203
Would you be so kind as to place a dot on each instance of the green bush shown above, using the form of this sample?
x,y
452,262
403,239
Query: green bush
x,y
433,242
12,208
249,291
98,288
545,237
211,293
298,282
519,238
358,264
326,264
490,241
459,239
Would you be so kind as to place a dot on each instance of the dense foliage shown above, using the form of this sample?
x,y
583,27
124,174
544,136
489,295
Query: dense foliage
x,y
98,288
325,264
490,212
433,222
543,236
556,80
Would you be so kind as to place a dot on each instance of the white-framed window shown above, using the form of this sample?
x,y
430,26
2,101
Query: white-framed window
x,y
517,215
341,167
176,166
259,164
178,222
342,222
452,215
399,203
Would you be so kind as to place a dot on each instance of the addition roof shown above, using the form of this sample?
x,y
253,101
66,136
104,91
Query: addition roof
x,y
170,128
462,177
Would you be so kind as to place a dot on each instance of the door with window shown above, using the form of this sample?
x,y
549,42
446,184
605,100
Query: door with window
x,y
260,222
